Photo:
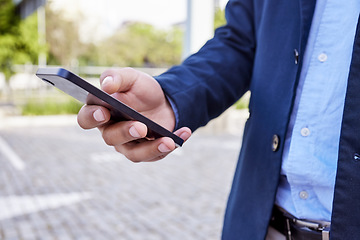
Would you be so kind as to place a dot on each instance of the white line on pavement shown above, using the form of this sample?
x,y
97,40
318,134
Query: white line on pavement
x,y
9,153
12,206
102,157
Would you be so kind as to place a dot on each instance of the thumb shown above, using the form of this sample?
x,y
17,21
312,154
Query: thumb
x,y
118,79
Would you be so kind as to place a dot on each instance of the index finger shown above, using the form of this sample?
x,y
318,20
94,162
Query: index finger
x,y
91,116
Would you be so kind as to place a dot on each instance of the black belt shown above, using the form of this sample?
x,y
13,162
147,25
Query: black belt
x,y
297,229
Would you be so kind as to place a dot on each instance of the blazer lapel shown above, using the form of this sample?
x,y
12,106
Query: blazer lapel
x,y
346,206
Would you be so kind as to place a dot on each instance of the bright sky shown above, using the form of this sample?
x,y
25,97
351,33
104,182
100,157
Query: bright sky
x,y
158,12
107,15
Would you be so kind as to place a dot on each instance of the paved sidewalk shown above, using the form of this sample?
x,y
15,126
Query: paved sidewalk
x,y
61,182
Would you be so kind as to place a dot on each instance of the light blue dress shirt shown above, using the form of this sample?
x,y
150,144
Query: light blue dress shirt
x,y
311,146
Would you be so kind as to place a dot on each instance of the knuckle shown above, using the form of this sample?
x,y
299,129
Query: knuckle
x,y
82,118
118,149
135,160
106,73
131,155
128,69
161,157
107,138
130,72
80,121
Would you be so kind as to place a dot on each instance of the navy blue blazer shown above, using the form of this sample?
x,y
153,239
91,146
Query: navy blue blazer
x,y
260,49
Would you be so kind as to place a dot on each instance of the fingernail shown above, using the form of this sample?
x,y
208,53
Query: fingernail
x,y
133,132
107,80
163,148
99,115
184,135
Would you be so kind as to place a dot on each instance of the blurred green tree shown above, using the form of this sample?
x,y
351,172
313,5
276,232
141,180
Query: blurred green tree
x,y
219,19
139,44
134,44
18,38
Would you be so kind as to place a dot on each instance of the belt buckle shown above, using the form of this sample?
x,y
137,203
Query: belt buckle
x,y
323,227
288,229
326,233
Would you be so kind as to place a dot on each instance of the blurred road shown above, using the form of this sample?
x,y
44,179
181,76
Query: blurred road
x,y
61,182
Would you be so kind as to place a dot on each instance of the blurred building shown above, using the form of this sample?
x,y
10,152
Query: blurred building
x,y
26,7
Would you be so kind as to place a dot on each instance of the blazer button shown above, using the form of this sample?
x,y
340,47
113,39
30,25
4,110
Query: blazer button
x,y
296,56
275,143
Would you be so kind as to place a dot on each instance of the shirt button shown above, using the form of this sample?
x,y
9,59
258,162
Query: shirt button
x,y
322,57
304,195
275,143
305,132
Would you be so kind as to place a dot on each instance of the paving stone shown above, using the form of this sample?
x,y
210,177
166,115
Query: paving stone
x,y
180,197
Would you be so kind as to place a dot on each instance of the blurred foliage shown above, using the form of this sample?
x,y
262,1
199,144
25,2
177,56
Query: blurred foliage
x,y
134,44
219,19
243,102
8,19
18,39
139,44
51,106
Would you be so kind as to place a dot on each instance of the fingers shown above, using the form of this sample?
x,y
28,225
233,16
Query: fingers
x,y
146,150
123,132
128,137
144,94
91,116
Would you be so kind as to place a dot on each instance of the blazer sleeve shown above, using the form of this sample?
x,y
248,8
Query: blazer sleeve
x,y
214,78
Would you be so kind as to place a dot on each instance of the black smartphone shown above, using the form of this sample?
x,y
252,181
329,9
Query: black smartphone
x,y
87,93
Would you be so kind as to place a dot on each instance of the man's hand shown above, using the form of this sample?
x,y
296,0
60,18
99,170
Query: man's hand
x,y
144,94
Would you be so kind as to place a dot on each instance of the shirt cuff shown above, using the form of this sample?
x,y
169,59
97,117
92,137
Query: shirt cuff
x,y
175,110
